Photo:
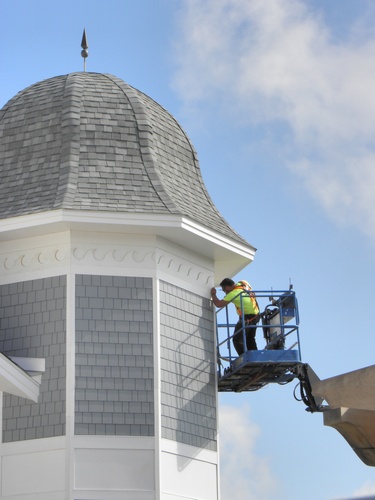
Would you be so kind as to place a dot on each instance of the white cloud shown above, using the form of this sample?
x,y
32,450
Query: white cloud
x,y
275,62
243,472
366,490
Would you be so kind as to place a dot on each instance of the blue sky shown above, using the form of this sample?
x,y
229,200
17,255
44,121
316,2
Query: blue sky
x,y
277,98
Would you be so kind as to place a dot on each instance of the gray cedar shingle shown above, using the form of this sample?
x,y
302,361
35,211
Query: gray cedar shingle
x,y
89,141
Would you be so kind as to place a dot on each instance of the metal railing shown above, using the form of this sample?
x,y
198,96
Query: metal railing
x,y
279,324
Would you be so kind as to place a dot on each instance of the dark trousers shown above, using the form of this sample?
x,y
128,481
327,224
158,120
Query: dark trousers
x,y
251,321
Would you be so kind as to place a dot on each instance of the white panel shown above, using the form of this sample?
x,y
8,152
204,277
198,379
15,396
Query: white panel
x,y
185,451
32,473
114,469
111,495
183,477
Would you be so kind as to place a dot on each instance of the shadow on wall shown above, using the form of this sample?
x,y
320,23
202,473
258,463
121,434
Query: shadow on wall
x,y
188,374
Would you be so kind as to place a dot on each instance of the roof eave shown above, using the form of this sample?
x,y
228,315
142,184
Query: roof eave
x,y
15,380
229,255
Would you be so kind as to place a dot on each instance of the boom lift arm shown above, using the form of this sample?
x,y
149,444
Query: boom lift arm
x,y
350,396
280,359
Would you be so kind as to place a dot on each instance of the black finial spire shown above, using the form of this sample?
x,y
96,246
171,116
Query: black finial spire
x,y
84,52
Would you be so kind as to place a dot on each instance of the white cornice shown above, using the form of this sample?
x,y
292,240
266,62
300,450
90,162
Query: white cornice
x,y
229,255
162,225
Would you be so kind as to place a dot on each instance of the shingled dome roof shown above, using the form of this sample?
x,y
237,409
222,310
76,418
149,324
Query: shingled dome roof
x,y
91,142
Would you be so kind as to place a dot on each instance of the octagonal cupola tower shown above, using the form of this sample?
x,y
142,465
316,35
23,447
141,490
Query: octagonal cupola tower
x,y
110,244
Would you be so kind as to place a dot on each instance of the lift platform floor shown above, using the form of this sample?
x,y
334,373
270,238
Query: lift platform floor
x,y
255,369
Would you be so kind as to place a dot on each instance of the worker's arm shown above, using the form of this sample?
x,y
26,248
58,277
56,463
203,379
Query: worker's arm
x,y
218,303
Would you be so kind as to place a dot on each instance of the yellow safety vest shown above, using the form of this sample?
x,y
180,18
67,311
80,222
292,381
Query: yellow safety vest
x,y
249,302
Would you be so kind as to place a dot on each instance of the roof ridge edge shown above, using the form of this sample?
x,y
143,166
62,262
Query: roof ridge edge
x,y
145,132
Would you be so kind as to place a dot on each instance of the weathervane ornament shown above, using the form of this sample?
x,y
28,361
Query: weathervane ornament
x,y
84,52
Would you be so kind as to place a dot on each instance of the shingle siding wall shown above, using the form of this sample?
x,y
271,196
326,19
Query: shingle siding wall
x,y
114,356
188,388
32,324
114,359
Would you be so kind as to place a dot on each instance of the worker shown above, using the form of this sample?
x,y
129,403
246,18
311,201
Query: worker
x,y
239,294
